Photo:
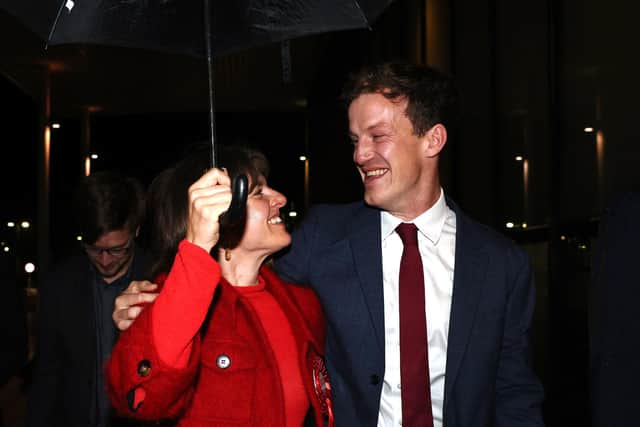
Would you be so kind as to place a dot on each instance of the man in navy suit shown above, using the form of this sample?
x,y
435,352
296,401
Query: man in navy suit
x,y
479,293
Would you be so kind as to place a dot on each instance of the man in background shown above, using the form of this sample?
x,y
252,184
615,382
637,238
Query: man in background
x,y
76,332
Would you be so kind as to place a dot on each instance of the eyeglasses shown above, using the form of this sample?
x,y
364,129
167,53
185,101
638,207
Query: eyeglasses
x,y
116,251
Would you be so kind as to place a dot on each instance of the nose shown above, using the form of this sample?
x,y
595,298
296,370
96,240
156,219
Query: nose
x,y
362,151
104,257
278,199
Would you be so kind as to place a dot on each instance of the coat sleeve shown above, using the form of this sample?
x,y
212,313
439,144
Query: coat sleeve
x,y
519,394
153,366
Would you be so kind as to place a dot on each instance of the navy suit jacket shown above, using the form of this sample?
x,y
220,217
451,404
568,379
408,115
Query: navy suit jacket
x,y
488,380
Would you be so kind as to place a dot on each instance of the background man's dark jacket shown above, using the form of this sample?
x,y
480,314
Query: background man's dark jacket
x,y
63,387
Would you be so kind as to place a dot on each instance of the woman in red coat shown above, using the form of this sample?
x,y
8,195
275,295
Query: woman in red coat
x,y
226,342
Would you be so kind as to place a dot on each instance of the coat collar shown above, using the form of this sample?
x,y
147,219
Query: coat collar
x,y
468,285
300,326
364,240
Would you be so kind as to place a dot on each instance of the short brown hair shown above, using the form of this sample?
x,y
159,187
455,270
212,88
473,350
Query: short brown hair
x,y
431,96
108,201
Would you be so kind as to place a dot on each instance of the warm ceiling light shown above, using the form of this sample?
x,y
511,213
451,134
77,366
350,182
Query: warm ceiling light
x,y
519,158
588,129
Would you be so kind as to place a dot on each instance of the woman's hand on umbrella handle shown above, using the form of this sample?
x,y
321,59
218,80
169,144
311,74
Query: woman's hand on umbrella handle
x,y
208,198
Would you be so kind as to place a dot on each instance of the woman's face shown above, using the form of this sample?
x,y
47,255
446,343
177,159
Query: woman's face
x,y
265,232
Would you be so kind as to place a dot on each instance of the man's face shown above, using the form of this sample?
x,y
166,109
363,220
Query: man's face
x,y
389,157
111,254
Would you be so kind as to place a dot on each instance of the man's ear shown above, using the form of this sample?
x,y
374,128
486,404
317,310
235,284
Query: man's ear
x,y
435,138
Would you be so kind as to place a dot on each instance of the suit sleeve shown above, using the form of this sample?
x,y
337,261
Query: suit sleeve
x,y
294,265
519,394
41,401
154,364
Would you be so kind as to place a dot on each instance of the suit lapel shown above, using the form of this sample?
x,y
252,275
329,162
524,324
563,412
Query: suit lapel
x,y
468,284
365,244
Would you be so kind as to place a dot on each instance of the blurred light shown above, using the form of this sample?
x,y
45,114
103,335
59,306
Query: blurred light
x,y
588,129
303,158
510,225
55,125
11,224
293,214
6,249
583,247
563,237
25,224
29,267
524,225
519,158
94,156
79,238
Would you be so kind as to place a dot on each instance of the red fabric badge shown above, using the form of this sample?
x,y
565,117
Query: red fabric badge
x,y
322,387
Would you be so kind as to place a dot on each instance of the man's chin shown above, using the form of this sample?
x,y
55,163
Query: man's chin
x,y
373,201
108,274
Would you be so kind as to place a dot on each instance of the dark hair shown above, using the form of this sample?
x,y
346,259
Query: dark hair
x,y
168,199
108,201
431,95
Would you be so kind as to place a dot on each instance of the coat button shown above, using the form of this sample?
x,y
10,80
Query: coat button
x,y
144,368
223,361
375,379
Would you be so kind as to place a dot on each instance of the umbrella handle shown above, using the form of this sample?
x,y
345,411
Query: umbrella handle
x,y
232,221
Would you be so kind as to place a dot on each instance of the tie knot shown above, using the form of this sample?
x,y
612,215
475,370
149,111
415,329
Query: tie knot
x,y
408,233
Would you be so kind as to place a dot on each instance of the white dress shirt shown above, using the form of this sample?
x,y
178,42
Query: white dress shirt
x,y
436,242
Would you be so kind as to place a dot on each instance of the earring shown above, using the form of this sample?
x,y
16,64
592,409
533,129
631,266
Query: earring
x,y
227,255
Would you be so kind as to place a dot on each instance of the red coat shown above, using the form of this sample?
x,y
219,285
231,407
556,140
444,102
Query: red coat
x,y
246,393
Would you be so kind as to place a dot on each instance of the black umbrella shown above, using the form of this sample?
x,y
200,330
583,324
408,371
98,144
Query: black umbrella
x,y
205,29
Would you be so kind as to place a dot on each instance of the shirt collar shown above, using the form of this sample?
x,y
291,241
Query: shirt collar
x,y
430,223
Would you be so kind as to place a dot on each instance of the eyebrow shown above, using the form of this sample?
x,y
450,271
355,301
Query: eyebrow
x,y
370,128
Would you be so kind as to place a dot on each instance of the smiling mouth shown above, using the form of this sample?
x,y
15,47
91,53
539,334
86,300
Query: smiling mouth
x,y
275,220
374,173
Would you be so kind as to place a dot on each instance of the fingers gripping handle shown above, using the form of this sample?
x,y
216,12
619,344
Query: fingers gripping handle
x,y
232,221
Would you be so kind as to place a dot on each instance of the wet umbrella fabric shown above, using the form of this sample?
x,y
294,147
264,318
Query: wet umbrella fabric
x,y
177,25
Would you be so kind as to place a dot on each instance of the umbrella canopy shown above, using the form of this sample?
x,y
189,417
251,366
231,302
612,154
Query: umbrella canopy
x,y
177,25
208,28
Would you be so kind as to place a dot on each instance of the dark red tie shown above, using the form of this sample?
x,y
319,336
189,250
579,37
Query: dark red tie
x,y
414,356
